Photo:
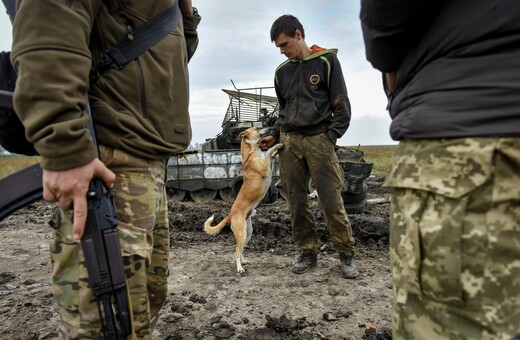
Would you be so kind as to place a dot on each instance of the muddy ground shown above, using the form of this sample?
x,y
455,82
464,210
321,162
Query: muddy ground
x,y
208,300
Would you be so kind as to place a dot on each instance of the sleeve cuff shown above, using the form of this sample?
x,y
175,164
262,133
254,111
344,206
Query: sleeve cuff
x,y
69,161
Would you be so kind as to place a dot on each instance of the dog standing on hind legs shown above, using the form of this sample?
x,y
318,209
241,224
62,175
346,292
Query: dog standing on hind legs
x,y
257,175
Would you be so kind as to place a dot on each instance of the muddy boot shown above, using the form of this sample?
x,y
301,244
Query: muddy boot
x,y
306,261
348,266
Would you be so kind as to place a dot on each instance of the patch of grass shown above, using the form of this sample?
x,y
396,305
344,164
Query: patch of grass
x,y
10,164
380,156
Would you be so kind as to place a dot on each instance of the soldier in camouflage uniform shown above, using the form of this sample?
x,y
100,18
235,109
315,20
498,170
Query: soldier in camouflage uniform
x,y
452,82
455,238
140,114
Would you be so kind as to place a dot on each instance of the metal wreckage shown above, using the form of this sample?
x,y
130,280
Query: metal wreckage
x,y
216,170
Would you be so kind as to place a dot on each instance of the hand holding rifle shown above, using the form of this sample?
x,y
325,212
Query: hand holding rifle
x,y
69,188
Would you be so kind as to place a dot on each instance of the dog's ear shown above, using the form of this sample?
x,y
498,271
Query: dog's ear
x,y
241,135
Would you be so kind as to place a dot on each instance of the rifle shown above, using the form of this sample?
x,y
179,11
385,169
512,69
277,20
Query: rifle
x,y
103,257
106,275
100,240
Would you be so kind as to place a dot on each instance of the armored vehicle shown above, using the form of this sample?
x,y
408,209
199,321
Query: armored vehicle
x,y
216,170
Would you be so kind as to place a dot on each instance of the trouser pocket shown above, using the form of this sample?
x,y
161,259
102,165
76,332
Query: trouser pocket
x,y
426,237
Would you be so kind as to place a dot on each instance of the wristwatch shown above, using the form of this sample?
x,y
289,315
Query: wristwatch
x,y
196,12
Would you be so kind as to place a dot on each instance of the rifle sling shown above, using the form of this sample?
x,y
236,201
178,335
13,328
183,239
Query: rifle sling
x,y
142,39
20,189
6,100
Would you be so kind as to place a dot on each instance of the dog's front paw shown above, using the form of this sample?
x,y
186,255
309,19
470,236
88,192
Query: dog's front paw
x,y
276,149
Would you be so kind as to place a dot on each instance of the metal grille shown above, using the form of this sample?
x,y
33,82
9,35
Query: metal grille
x,y
250,107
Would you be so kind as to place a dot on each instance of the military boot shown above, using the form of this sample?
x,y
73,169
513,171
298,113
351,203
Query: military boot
x,y
348,266
306,261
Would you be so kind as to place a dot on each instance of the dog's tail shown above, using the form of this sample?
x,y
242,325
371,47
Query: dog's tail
x,y
215,229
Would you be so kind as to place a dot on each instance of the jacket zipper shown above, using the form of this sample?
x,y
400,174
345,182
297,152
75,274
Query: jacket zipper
x,y
300,81
140,80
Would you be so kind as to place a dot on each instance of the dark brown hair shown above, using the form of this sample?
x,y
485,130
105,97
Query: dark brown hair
x,y
287,24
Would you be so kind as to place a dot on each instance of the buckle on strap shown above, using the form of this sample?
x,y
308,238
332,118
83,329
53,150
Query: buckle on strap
x,y
106,61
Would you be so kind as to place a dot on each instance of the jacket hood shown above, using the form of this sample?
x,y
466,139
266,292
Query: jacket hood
x,y
316,52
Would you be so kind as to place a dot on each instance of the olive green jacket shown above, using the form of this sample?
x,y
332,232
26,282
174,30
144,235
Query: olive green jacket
x,y
141,109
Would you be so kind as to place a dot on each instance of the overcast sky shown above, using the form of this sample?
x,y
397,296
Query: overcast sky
x,y
235,45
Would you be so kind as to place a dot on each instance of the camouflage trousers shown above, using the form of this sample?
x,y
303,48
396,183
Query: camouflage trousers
x,y
455,238
144,237
314,156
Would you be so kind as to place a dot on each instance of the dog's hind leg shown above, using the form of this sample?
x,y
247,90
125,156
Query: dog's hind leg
x,y
249,233
238,225
249,230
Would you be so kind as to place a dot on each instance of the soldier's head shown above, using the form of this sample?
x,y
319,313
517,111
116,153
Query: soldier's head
x,y
289,36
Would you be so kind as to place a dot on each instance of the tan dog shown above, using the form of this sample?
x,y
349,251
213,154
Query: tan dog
x,y
257,175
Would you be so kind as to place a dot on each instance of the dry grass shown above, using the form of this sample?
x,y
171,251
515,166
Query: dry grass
x,y
10,164
380,156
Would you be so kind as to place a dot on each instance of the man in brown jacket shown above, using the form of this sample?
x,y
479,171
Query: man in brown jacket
x,y
141,117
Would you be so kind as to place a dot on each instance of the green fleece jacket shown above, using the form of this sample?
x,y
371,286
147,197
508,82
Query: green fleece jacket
x,y
141,109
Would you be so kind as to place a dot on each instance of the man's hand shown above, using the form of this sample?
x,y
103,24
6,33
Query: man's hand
x,y
69,188
186,7
266,142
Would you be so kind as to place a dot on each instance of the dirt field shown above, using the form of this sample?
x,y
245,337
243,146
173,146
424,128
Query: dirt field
x,y
208,300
